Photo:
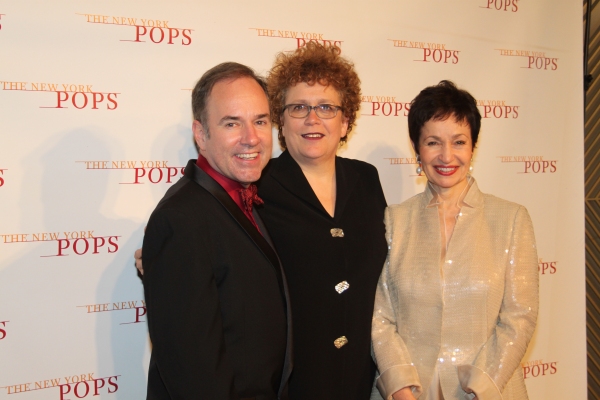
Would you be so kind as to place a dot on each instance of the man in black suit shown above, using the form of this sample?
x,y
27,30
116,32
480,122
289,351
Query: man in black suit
x,y
218,314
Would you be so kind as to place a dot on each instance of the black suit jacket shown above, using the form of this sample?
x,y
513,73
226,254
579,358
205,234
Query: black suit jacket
x,y
215,295
315,262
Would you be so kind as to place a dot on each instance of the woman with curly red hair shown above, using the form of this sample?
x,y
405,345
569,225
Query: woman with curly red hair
x,y
325,216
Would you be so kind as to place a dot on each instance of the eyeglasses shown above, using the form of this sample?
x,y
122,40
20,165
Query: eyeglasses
x,y
324,111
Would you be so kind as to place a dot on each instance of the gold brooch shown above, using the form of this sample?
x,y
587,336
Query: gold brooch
x,y
337,232
339,342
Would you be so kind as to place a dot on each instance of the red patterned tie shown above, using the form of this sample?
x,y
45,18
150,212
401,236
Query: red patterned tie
x,y
249,197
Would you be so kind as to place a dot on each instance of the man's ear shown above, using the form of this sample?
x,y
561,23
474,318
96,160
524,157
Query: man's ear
x,y
200,135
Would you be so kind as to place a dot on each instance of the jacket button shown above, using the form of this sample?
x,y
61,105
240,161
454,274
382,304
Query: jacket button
x,y
339,342
337,232
342,286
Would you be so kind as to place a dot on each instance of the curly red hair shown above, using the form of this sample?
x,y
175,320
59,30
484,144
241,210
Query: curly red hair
x,y
313,63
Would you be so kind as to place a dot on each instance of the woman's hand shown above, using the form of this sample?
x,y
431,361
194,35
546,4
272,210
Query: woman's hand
x,y
404,394
138,260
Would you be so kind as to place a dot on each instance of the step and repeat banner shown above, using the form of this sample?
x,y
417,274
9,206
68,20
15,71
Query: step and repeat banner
x,y
95,125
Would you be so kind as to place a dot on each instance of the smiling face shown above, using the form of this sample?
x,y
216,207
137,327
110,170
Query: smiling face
x,y
236,137
312,140
446,149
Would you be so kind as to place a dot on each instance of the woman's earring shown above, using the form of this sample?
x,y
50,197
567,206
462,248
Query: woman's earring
x,y
419,168
471,166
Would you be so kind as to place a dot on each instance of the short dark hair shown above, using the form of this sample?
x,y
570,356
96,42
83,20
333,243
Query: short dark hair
x,y
224,71
438,103
314,63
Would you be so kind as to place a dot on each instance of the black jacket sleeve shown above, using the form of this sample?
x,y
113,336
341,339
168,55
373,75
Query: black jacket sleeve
x,y
183,310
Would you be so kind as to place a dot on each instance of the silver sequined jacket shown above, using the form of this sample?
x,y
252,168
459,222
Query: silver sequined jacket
x,y
471,314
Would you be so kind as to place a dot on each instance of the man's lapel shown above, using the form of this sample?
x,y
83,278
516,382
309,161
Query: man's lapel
x,y
288,361
193,172
264,243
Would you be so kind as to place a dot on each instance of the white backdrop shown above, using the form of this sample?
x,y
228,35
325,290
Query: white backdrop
x,y
95,125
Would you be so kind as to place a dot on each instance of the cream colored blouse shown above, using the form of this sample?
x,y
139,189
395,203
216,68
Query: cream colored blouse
x,y
471,314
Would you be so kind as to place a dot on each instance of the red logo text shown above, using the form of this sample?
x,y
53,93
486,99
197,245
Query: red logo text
x,y
79,386
385,106
76,243
497,109
137,306
141,171
432,52
3,329
300,37
502,5
537,368
93,387
534,59
81,100
68,95
547,267
532,164
87,245
159,35
402,160
153,30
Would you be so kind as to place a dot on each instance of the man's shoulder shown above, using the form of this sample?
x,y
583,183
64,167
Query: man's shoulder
x,y
184,193
187,206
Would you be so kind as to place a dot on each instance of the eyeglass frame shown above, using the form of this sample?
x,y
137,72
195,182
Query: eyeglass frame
x,y
310,108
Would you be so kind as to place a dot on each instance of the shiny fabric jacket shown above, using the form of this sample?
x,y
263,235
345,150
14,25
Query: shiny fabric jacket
x,y
471,314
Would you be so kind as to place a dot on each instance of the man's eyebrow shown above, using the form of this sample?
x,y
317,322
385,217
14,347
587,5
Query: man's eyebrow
x,y
235,118
229,118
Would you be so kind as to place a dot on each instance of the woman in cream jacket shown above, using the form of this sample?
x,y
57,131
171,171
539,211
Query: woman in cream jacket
x,y
457,300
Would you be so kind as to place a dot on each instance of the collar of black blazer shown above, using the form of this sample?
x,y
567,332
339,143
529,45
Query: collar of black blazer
x,y
290,176
194,173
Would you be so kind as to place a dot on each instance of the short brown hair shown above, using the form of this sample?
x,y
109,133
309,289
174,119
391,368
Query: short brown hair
x,y
224,71
313,63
